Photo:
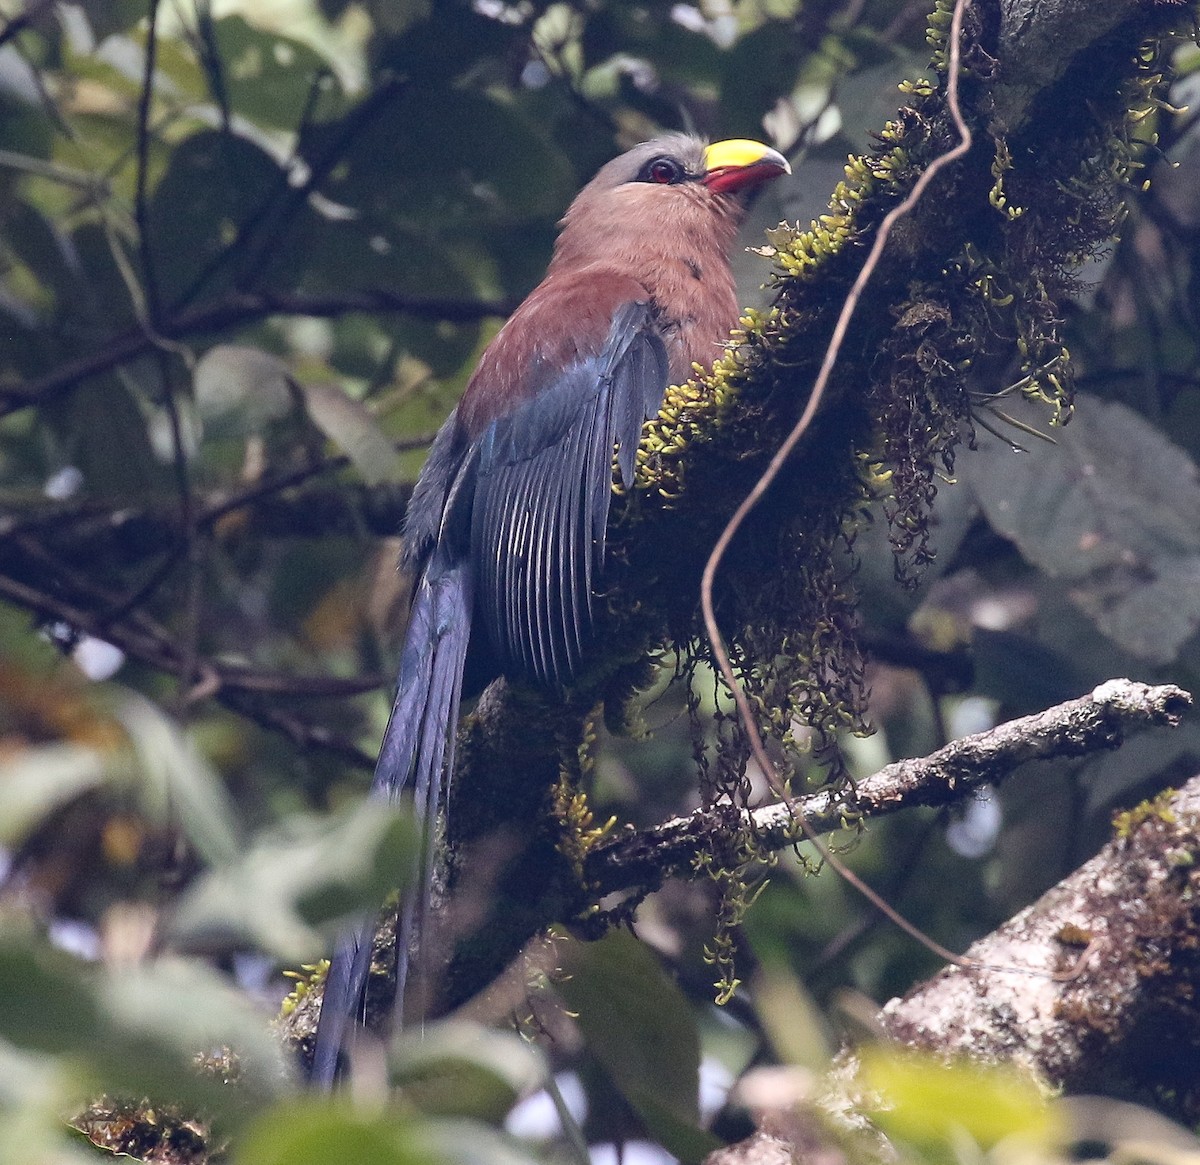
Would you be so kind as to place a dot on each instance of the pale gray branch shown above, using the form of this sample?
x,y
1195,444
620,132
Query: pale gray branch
x,y
1128,920
1093,723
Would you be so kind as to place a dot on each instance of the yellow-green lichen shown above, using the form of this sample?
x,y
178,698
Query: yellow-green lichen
x,y
1159,808
310,976
578,832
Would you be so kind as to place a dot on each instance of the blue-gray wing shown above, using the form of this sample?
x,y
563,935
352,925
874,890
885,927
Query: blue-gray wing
x,y
543,491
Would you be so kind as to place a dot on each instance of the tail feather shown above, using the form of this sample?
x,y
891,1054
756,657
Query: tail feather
x,y
417,752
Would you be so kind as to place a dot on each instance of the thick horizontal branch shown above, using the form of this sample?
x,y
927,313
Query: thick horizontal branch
x,y
636,863
1128,921
1100,721
544,889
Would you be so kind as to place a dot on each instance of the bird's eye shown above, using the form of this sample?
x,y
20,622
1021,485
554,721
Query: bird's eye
x,y
664,171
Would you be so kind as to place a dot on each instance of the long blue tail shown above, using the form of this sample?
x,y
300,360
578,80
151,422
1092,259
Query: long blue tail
x,y
417,751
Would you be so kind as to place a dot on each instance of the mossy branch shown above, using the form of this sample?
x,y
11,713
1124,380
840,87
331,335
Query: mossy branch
x,y
545,886
978,270
639,861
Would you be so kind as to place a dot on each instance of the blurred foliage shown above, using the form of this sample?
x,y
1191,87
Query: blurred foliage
x,y
242,280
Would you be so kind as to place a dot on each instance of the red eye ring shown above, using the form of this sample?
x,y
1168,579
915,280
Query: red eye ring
x,y
663,171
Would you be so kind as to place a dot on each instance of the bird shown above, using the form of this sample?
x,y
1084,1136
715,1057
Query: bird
x,y
504,533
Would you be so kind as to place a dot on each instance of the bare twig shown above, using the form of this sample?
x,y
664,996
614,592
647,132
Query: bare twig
x,y
141,213
240,688
232,310
19,24
299,730
149,643
131,535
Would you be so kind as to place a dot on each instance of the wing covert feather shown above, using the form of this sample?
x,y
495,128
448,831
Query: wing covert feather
x,y
543,492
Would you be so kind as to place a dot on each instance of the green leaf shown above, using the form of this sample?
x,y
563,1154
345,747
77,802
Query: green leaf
x,y
35,1091
48,1006
471,164
136,1030
240,390
790,1018
178,782
352,427
269,77
180,1008
640,1027
104,433
464,1069
470,1143
294,878
931,1105
36,781
1113,512
40,244
330,1133
760,67
214,185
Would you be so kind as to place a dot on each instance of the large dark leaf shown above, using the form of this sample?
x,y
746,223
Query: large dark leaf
x,y
447,158
103,433
459,1069
640,1026
214,185
435,51
375,253
110,16
269,78
759,68
1113,512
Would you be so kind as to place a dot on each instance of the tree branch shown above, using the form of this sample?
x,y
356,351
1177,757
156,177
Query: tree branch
x,y
540,887
238,686
231,310
1130,1013
639,862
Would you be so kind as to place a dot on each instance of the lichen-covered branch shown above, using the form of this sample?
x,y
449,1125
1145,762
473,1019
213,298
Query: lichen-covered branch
x,y
1096,722
1127,1023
